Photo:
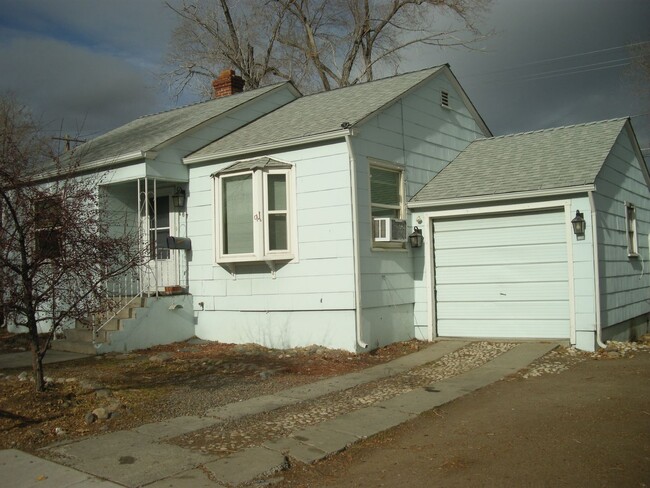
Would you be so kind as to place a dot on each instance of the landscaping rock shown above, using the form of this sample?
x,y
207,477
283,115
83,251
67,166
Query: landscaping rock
x,y
101,413
160,357
90,418
103,393
23,376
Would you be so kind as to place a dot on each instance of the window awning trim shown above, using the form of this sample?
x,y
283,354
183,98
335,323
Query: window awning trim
x,y
257,164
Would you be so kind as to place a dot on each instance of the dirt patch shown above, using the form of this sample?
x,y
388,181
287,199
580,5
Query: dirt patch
x,y
122,391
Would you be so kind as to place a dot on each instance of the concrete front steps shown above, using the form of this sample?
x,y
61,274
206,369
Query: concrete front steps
x,y
144,322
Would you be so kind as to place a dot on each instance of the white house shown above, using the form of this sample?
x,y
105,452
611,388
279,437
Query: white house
x,y
296,215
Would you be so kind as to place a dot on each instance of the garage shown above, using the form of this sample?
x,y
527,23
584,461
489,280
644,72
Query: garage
x,y
502,275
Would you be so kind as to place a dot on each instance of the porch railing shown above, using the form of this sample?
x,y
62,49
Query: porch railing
x,y
122,291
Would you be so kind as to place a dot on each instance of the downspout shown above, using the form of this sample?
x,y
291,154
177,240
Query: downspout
x,y
356,252
596,261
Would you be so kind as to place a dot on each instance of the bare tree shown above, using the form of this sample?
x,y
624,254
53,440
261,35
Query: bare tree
x,y
319,44
57,244
224,34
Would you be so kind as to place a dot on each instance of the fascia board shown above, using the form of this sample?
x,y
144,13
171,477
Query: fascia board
x,y
637,150
269,147
468,103
102,163
502,196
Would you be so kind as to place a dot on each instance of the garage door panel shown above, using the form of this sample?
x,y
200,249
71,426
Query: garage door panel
x,y
529,329
519,220
517,273
502,292
480,238
540,253
502,276
521,310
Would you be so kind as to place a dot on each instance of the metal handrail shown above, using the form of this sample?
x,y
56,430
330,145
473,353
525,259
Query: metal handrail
x,y
127,287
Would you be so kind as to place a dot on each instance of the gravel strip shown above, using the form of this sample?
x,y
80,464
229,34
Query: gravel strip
x,y
231,436
563,358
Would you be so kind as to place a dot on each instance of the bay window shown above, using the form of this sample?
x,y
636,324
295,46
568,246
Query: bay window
x,y
253,211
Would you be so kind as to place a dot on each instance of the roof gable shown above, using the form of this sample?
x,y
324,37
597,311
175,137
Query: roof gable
x,y
559,158
325,114
149,132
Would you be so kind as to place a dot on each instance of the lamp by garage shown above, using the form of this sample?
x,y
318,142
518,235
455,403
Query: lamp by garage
x,y
178,198
579,225
416,239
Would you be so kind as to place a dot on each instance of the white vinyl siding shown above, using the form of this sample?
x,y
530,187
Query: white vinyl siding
x,y
502,276
421,137
308,300
624,282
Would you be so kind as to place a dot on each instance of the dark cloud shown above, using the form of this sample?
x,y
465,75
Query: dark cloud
x,y
552,62
75,89
95,64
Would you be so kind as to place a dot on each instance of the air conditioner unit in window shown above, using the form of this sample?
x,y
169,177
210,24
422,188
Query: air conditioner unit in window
x,y
389,230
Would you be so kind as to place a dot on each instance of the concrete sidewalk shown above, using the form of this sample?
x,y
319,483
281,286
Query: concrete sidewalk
x,y
24,359
141,457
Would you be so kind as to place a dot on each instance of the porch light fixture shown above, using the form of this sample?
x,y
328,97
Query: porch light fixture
x,y
416,238
579,225
178,198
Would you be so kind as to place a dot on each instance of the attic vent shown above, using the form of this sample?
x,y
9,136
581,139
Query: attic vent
x,y
444,99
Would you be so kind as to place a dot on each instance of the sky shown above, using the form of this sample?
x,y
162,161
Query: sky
x,y
87,66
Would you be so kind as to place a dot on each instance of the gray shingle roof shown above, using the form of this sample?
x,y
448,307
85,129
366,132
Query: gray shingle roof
x,y
146,133
547,159
317,114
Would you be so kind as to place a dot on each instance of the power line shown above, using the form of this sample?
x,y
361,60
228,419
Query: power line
x,y
559,58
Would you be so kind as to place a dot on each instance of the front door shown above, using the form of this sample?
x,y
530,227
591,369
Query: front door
x,y
162,268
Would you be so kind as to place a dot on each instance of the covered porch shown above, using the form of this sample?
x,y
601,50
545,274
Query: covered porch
x,y
154,209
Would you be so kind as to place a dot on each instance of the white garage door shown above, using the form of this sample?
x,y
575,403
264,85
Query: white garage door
x,y
502,276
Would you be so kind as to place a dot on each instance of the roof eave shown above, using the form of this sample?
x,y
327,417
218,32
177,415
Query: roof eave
x,y
502,196
338,134
100,163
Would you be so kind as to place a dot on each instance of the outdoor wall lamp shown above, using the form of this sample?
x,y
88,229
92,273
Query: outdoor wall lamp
x,y
178,198
416,238
579,225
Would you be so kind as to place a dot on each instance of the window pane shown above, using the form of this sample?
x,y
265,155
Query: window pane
x,y
237,214
384,186
278,232
277,190
385,212
158,243
162,212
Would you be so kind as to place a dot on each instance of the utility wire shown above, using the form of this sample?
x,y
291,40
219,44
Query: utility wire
x,y
559,58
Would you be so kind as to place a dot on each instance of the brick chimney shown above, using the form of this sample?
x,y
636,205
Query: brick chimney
x,y
227,84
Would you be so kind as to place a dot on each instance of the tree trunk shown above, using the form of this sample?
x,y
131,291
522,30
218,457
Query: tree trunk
x,y
37,358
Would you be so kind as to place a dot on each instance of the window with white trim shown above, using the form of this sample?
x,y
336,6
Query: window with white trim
x,y
630,230
386,199
47,227
253,217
